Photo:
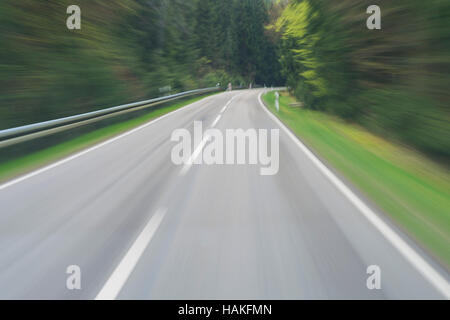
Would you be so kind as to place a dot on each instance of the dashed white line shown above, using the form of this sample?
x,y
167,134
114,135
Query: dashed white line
x,y
224,108
227,104
194,156
435,279
120,275
122,272
215,121
205,139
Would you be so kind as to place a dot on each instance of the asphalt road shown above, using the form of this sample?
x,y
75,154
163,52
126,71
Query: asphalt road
x,y
141,227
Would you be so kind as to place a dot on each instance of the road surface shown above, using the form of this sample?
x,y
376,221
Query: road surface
x,y
141,227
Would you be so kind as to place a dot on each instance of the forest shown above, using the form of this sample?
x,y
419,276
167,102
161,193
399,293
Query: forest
x,y
393,81
126,50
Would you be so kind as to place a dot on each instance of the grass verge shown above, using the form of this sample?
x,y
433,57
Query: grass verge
x,y
409,187
32,161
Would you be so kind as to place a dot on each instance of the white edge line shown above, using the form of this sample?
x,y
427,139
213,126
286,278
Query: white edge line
x,y
81,153
433,276
126,266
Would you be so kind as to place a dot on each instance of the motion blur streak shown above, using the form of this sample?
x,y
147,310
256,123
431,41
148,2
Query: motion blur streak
x,y
91,197
421,265
126,51
228,232
394,80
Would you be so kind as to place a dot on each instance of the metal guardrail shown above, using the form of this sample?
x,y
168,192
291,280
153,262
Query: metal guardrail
x,y
37,130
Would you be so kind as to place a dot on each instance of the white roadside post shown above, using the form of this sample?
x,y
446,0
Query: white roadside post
x,y
277,104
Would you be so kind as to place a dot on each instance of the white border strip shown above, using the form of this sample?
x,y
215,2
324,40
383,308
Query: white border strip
x,y
438,282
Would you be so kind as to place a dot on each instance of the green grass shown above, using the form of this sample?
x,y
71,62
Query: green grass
x,y
409,187
24,164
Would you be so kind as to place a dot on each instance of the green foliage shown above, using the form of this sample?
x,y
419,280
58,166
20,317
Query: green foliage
x,y
413,190
394,80
23,158
231,36
126,50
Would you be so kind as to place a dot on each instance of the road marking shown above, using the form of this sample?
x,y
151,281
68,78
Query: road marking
x,y
227,104
102,144
200,146
194,156
433,276
120,275
215,121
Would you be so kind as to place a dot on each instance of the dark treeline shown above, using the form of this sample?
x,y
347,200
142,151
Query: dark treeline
x,y
126,50
394,81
